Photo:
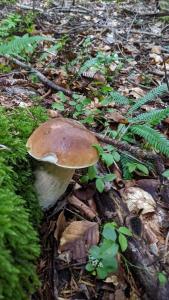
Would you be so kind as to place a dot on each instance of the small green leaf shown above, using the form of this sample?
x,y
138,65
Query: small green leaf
x,y
116,156
95,252
131,167
100,185
108,158
92,172
143,169
58,106
162,278
109,232
125,230
62,96
102,273
72,103
84,179
89,267
166,173
110,263
123,242
98,148
109,177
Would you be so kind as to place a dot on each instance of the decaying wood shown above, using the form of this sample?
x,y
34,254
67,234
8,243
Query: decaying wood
x,y
144,265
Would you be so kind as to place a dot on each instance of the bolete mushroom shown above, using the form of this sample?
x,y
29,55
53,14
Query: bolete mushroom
x,y
61,145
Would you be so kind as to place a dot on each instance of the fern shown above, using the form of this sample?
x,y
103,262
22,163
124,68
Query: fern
x,y
116,97
124,159
153,137
19,44
151,96
153,117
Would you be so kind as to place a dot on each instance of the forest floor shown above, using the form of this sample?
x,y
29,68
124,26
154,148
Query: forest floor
x,y
100,47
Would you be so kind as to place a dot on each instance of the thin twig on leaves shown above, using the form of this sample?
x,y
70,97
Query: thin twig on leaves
x,y
22,6
156,15
165,71
41,77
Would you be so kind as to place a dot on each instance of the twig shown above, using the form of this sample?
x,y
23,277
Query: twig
x,y
165,71
131,25
22,6
156,15
42,78
146,33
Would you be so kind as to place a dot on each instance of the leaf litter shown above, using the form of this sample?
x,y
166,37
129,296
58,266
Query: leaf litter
x,y
139,43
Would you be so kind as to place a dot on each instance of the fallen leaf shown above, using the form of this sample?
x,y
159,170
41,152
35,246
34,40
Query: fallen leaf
x,y
117,117
60,226
138,199
78,237
137,92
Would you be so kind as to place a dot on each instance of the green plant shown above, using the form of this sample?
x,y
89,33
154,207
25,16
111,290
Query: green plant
x,y
137,125
8,2
56,48
162,278
19,208
103,259
99,63
21,45
108,155
78,106
9,25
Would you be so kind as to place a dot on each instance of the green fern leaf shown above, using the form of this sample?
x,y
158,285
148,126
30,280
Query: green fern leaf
x,y
153,137
124,159
117,97
152,117
19,44
151,96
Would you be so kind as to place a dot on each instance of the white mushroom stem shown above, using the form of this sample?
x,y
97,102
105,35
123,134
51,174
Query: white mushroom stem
x,y
51,182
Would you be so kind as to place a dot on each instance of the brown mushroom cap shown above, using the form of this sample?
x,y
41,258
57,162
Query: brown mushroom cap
x,y
64,142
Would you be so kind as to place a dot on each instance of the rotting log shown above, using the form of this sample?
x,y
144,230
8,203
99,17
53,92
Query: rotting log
x,y
145,265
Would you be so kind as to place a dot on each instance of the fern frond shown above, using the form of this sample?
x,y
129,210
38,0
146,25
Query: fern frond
x,y
151,96
152,117
92,62
18,44
118,98
153,137
124,159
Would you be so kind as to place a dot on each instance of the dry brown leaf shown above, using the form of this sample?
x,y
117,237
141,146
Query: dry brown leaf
x,y
78,237
60,226
116,117
137,92
53,113
138,199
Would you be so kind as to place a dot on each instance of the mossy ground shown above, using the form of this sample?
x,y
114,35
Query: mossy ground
x,y
19,210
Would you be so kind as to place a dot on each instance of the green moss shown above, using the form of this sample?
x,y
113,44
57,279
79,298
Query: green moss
x,y
19,209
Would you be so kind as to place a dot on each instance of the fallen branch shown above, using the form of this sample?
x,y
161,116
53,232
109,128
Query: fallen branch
x,y
111,207
41,77
153,15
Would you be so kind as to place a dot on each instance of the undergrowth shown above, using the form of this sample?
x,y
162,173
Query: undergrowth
x,y
19,209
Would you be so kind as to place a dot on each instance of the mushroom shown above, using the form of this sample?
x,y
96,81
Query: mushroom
x,y
61,145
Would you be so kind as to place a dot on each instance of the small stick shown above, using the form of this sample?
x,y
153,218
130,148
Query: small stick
x,y
42,78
